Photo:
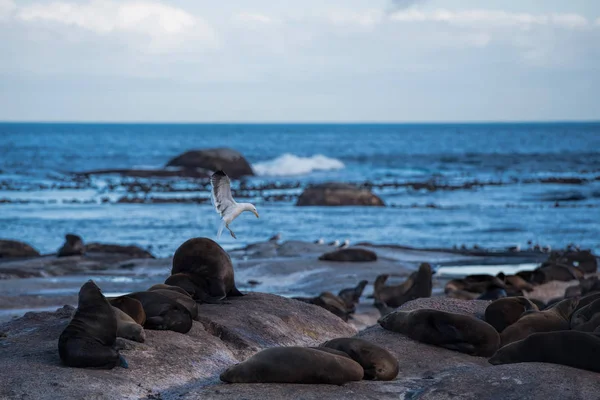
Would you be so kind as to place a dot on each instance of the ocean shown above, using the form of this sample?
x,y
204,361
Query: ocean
x,y
496,185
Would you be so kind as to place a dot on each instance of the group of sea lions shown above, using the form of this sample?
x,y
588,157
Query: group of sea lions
x,y
515,328
202,272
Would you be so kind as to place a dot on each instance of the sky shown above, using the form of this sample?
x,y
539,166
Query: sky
x,y
308,61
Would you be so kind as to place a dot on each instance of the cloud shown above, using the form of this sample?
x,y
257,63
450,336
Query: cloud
x,y
6,8
402,4
490,18
164,25
253,17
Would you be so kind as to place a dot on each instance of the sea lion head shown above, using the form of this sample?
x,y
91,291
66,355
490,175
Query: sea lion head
x,y
183,281
566,307
394,320
89,294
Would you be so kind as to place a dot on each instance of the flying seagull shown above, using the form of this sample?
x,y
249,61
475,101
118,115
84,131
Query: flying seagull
x,y
226,207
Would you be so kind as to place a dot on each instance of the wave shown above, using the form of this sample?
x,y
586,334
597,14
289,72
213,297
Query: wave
x,y
289,164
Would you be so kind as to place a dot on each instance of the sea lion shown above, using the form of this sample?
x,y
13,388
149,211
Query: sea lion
x,y
505,312
331,303
350,255
585,300
89,339
131,307
351,296
555,272
294,365
73,246
516,282
376,361
583,259
383,308
459,332
555,318
573,348
127,328
183,299
163,313
162,286
389,294
492,294
587,318
478,283
207,267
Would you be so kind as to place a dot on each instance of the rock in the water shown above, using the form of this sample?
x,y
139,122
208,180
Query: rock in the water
x,y
355,255
73,246
228,160
13,248
130,251
338,194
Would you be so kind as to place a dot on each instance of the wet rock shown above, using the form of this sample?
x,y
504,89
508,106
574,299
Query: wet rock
x,y
152,173
338,194
117,249
73,246
350,255
15,249
228,160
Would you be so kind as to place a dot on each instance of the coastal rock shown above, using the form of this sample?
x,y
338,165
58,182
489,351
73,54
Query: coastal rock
x,y
228,160
73,246
226,334
117,249
352,255
338,194
197,173
15,249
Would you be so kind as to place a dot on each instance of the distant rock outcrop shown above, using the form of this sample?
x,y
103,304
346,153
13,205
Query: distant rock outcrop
x,y
228,160
338,194
15,249
117,249
353,255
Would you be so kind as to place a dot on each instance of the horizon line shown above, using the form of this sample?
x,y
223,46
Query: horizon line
x,y
475,122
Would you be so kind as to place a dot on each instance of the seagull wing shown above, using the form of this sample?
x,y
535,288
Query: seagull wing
x,y
221,192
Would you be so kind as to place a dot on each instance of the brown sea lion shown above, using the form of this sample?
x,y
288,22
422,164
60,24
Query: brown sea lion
x,y
585,300
504,312
587,318
73,246
183,299
458,332
89,339
556,272
127,328
555,318
208,269
350,255
162,286
163,313
516,282
573,348
417,285
294,365
389,294
377,362
131,307
331,303
478,283
583,259
351,296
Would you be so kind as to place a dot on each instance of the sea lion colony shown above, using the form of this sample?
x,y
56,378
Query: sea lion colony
x,y
513,329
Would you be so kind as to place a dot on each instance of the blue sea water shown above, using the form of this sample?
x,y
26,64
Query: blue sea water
x,y
37,162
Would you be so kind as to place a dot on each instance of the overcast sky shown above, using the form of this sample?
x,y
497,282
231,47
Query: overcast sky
x,y
310,60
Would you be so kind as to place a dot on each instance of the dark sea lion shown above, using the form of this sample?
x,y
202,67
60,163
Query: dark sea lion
x,y
350,255
208,268
351,296
331,303
294,365
162,286
127,328
183,299
573,348
585,300
479,283
389,294
583,259
587,318
459,332
516,282
556,272
89,339
383,308
505,312
163,313
540,304
527,276
131,307
73,246
377,362
492,294
421,287
551,319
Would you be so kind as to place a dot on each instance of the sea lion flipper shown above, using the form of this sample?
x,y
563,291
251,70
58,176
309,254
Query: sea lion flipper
x,y
123,361
234,292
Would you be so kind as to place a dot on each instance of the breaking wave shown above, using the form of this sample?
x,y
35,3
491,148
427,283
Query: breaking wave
x,y
289,164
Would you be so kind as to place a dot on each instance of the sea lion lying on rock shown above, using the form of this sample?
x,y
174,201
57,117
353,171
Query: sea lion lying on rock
x,y
294,365
351,296
505,312
555,318
203,269
555,272
516,282
573,348
162,286
163,313
478,283
376,361
458,332
331,303
350,255
131,307
127,328
89,339
587,318
182,298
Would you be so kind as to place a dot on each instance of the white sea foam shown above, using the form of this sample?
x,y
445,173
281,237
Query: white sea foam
x,y
289,164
